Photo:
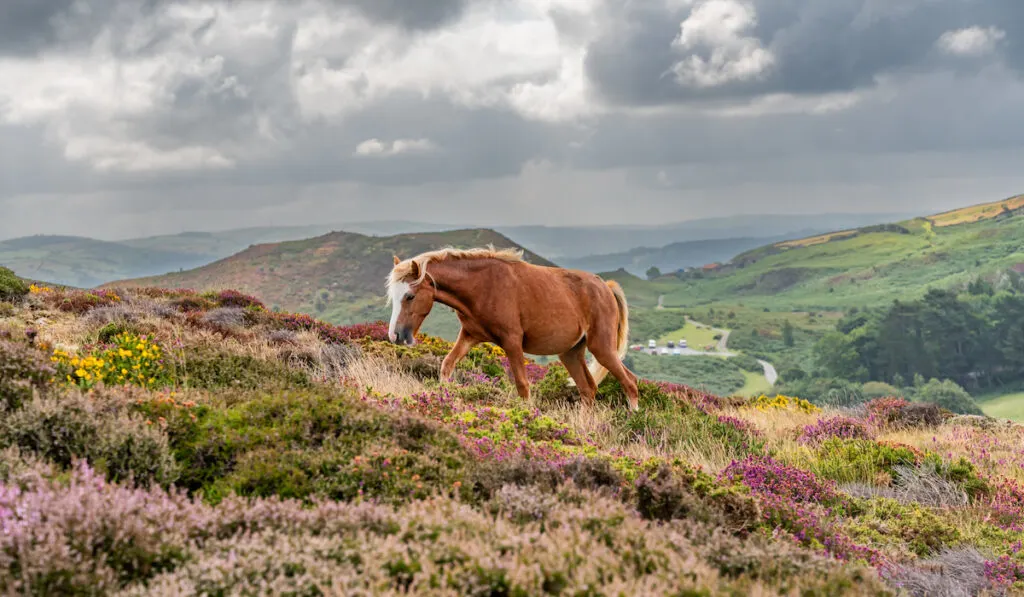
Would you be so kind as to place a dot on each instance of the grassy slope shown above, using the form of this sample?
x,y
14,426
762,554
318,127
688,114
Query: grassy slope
x,y
864,269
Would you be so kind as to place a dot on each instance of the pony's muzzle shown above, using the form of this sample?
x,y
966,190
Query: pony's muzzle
x,y
403,336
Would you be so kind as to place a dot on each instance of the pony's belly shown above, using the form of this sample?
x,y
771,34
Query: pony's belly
x,y
550,344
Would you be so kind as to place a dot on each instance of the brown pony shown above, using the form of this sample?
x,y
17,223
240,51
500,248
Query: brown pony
x,y
521,307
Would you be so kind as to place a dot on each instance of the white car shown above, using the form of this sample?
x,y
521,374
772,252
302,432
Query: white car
x,y
682,344
677,351
652,344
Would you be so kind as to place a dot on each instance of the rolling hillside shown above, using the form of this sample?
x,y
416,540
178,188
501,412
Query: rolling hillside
x,y
863,266
338,276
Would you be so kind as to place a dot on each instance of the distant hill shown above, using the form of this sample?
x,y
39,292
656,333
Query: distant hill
x,y
867,265
85,262
337,276
673,257
563,243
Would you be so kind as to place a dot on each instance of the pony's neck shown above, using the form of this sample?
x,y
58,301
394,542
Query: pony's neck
x,y
450,279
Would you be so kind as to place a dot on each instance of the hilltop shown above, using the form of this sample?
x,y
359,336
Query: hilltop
x,y
338,276
169,442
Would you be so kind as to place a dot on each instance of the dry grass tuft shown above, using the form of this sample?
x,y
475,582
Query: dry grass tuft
x,y
382,376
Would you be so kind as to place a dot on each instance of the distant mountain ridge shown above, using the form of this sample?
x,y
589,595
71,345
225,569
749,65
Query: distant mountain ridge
x,y
87,262
673,257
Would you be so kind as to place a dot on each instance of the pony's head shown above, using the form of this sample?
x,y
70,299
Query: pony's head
x,y
411,294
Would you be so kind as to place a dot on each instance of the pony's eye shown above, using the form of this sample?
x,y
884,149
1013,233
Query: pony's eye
x,y
409,297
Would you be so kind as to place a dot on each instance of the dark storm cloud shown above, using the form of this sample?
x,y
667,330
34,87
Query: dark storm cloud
x,y
818,47
28,27
411,14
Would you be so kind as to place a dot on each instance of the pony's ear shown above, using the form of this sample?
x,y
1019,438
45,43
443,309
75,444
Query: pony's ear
x,y
396,259
415,271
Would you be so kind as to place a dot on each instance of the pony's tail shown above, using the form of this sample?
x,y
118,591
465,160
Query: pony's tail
x,y
622,331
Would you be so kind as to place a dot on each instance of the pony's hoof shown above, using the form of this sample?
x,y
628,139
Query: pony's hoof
x,y
571,382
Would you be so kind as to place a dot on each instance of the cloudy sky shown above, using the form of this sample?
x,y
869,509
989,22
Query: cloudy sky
x,y
126,117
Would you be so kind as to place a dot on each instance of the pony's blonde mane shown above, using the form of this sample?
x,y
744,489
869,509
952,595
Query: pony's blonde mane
x,y
402,272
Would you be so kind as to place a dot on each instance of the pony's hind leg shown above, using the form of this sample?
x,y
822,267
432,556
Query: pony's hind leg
x,y
605,354
575,361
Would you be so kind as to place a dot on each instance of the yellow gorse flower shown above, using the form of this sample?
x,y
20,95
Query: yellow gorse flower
x,y
781,402
130,353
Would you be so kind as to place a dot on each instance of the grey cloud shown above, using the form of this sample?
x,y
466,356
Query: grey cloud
x,y
819,47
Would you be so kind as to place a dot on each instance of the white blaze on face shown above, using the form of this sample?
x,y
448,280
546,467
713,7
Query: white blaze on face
x,y
397,292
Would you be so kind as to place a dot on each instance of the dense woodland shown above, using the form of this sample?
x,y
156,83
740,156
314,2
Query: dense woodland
x,y
975,339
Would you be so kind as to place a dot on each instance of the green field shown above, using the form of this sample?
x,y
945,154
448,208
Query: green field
x,y
755,384
1007,406
696,337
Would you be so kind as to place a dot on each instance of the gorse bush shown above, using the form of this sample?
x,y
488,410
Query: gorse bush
x,y
129,359
12,288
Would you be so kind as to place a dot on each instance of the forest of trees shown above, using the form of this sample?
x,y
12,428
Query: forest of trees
x,y
975,339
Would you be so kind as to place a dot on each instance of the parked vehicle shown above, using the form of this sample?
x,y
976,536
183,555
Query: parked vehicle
x,y
652,344
671,344
682,344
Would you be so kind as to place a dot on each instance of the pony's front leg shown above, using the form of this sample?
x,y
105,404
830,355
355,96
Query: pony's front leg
x,y
515,362
462,346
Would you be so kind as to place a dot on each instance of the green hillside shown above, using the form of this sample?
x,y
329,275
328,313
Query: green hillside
x,y
863,267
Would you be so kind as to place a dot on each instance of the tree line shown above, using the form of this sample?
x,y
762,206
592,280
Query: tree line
x,y
975,338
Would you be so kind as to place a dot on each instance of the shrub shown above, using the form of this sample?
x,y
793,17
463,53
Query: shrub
x,y
671,493
884,522
898,413
948,395
302,443
235,299
73,427
23,369
80,302
209,368
554,387
834,427
860,460
12,288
